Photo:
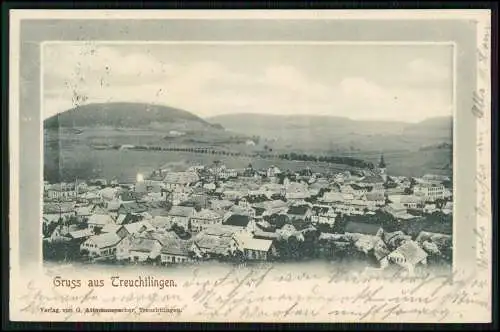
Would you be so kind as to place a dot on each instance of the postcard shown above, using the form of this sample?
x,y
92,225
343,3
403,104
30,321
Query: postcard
x,y
250,166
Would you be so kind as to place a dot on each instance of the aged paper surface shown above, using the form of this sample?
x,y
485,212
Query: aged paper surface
x,y
284,166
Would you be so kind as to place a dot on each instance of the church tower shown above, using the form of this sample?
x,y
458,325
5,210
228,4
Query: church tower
x,y
382,168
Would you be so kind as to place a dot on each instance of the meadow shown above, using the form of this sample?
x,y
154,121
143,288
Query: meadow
x,y
69,155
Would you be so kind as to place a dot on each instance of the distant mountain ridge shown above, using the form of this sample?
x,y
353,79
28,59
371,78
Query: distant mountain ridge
x,y
303,120
122,115
310,131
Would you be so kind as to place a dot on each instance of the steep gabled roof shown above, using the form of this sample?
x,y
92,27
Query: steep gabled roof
x,y
362,228
105,240
237,220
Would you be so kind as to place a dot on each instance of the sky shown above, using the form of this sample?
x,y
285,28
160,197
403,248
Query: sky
x,y
365,82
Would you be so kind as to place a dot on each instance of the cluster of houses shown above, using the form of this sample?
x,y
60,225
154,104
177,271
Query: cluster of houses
x,y
213,212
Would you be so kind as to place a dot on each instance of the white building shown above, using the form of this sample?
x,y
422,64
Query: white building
x,y
62,191
181,215
408,255
103,245
323,215
99,221
252,248
430,191
142,249
175,180
203,218
176,252
273,171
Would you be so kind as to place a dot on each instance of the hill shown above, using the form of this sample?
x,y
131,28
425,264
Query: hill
x,y
337,133
124,115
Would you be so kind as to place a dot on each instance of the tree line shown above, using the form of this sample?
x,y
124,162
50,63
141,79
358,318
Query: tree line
x,y
344,160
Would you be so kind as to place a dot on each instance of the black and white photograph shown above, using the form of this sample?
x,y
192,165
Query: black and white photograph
x,y
273,166
172,153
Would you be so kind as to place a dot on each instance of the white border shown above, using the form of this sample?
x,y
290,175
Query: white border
x,y
16,15
375,14
14,94
249,42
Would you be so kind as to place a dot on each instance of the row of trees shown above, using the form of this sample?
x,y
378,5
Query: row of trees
x,y
354,162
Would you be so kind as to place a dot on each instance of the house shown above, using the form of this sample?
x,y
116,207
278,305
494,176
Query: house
x,y
272,189
144,248
376,197
254,197
448,208
254,249
218,205
134,228
371,180
408,201
239,220
214,241
178,180
323,215
132,207
110,228
434,177
354,189
348,209
112,206
408,255
248,172
108,193
181,215
103,245
233,195
222,172
204,217
161,222
297,195
430,208
395,239
177,196
299,212
176,251
98,182
329,244
398,211
333,197
128,218
366,243
54,211
83,213
99,221
381,253
430,191
59,233
128,196
258,234
243,210
273,171
123,248
272,207
209,186
434,243
90,197
79,235
62,191
363,228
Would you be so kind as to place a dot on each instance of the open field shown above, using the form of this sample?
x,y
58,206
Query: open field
x,y
77,159
70,139
84,162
